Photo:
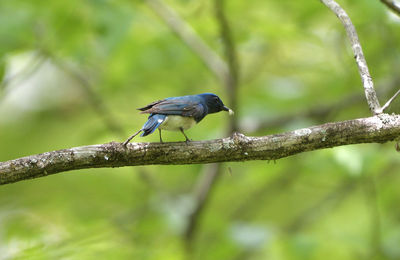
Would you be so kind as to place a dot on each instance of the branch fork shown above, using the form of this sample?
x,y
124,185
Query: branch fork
x,y
363,70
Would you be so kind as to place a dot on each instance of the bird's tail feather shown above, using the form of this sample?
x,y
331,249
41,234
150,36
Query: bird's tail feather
x,y
152,124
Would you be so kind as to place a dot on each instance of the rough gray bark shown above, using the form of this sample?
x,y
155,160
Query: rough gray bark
x,y
377,129
363,70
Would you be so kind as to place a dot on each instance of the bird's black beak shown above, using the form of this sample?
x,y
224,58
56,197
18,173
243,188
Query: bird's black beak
x,y
225,108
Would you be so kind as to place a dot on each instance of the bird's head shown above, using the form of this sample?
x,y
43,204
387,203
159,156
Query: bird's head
x,y
214,103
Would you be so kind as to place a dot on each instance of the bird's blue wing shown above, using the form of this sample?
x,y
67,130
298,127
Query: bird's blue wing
x,y
152,124
177,106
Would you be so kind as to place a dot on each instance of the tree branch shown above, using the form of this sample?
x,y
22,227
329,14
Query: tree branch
x,y
366,78
377,129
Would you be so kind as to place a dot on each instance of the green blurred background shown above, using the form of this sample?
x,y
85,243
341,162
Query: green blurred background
x,y
74,71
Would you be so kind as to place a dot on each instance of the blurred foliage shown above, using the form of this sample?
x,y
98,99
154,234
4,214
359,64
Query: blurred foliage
x,y
71,67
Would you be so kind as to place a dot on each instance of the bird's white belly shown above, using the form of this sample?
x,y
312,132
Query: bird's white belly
x,y
174,123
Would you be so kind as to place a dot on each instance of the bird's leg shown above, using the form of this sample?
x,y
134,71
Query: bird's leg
x,y
159,130
187,138
130,138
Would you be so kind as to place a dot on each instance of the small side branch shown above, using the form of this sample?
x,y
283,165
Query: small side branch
x,y
392,6
376,129
390,100
366,78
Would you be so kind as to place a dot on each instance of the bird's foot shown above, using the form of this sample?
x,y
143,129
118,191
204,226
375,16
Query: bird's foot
x,y
187,138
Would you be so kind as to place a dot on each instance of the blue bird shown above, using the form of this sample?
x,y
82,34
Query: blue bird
x,y
179,113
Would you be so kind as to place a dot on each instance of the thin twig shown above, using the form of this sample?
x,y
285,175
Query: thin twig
x,y
392,5
212,61
390,100
366,78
